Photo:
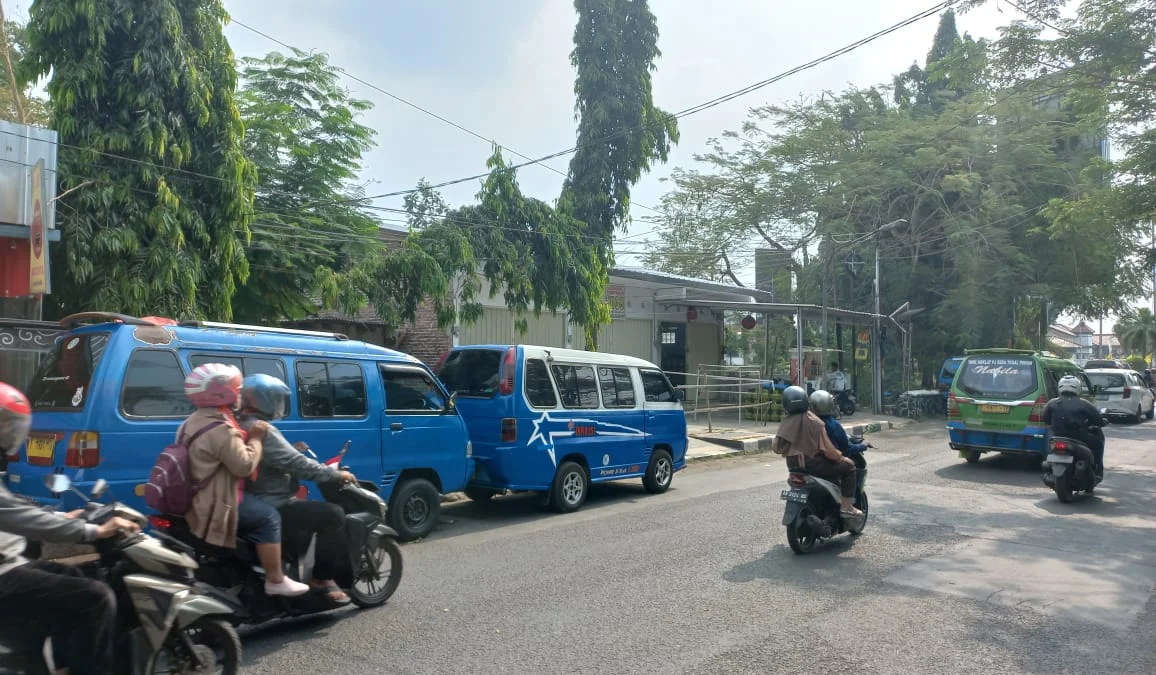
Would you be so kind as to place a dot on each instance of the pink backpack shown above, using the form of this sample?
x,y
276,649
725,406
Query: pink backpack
x,y
170,488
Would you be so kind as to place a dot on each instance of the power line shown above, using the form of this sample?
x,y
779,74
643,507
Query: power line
x,y
415,106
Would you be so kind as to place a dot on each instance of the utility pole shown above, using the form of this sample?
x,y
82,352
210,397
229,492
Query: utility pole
x,y
877,374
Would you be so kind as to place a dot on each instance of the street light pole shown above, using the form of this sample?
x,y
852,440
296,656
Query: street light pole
x,y
877,371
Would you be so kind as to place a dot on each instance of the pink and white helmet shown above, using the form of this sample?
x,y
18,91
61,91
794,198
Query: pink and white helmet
x,y
214,385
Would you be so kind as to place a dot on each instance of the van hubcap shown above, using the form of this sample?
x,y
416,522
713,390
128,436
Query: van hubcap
x,y
662,471
572,487
415,510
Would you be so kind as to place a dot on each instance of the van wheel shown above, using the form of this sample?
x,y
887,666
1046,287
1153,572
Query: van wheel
x,y
659,473
480,494
972,456
1135,419
571,484
414,509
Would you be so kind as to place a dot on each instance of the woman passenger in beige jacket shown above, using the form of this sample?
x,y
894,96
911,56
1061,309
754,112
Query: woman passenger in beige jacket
x,y
220,460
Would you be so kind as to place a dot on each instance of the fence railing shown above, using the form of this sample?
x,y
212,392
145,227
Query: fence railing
x,y
728,389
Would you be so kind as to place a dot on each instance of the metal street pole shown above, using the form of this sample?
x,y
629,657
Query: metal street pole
x,y
877,370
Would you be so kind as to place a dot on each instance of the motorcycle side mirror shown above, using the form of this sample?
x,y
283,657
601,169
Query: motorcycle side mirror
x,y
99,488
344,448
57,483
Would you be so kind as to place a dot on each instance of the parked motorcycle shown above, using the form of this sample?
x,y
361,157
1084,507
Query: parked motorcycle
x,y
1070,467
372,578
166,623
813,507
847,402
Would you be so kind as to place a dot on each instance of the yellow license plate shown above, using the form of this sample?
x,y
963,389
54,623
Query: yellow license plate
x,y
994,409
41,448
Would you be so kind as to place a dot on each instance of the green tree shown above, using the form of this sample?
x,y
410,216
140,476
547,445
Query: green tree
x,y
1136,332
620,130
18,103
158,192
302,131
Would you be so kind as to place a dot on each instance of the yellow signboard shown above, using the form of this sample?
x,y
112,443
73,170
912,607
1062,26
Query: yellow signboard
x,y
38,265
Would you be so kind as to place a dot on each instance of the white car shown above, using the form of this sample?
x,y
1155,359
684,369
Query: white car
x,y
1121,392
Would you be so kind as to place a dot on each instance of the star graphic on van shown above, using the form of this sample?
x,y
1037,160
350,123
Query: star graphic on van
x,y
547,429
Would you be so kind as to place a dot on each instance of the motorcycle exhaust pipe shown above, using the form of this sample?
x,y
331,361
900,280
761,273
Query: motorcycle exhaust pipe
x,y
819,526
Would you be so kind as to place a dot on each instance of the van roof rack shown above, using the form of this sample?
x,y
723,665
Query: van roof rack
x,y
263,329
74,320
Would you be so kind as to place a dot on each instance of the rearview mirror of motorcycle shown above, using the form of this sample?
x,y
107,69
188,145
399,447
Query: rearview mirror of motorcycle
x,y
344,448
99,488
57,483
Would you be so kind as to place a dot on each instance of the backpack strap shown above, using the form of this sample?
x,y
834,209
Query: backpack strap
x,y
194,437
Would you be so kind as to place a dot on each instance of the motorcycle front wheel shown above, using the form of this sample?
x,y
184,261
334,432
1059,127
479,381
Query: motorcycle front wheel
x,y
214,641
377,575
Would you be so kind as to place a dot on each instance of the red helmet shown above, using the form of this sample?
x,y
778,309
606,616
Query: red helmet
x,y
15,418
214,385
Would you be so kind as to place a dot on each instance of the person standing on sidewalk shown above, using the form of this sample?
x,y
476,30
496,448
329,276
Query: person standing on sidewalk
x,y
42,599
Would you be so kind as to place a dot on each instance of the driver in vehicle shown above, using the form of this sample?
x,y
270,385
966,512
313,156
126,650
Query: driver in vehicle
x,y
1070,416
42,599
265,398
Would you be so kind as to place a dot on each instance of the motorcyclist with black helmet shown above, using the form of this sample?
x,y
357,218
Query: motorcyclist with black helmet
x,y
802,439
41,599
1070,416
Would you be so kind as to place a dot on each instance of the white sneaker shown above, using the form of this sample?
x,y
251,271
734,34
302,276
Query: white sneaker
x,y
287,588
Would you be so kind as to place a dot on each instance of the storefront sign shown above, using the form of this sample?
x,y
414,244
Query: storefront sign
x,y
38,263
616,298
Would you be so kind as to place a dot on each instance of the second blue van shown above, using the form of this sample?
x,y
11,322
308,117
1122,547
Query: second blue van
x,y
110,397
556,420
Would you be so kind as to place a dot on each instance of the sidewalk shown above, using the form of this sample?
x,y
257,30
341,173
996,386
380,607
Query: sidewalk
x,y
732,436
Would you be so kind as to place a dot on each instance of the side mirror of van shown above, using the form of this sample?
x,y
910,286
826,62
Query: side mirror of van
x,y
679,394
452,402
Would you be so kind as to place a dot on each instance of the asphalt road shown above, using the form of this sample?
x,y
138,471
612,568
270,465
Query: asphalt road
x,y
962,569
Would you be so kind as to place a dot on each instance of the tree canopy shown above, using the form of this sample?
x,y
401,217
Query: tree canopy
x,y
156,191
1002,193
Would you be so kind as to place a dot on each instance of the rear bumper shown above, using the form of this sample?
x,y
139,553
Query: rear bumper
x,y
1030,441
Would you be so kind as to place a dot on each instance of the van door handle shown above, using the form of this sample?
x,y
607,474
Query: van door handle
x,y
396,426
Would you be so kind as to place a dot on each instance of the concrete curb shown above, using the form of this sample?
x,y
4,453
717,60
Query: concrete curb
x,y
761,444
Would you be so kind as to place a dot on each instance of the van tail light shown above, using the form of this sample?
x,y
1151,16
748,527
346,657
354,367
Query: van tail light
x,y
509,429
952,407
441,362
83,450
508,368
1038,409
160,522
1127,392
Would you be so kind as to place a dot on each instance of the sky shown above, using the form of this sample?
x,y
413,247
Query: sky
x,y
502,70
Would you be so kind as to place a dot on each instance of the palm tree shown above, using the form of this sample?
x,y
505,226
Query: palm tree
x,y
1137,332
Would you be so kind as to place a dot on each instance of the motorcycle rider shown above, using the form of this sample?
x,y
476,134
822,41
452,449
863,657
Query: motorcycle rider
x,y
220,460
42,599
1071,416
265,398
824,405
802,439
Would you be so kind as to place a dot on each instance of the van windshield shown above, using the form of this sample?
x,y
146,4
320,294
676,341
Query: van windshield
x,y
62,383
999,377
472,372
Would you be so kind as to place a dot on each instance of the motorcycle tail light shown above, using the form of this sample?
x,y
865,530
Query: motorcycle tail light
x,y
797,480
1060,448
160,522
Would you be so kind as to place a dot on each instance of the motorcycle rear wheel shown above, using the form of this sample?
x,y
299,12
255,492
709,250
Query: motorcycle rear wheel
x,y
1063,488
800,536
856,531
371,569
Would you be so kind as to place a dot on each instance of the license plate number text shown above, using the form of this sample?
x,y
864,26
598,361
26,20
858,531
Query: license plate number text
x,y
41,448
994,409
797,496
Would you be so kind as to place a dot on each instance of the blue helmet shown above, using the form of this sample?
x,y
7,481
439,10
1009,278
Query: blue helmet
x,y
266,395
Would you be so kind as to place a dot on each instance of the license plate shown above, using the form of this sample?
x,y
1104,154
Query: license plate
x,y
994,409
41,448
1060,459
799,496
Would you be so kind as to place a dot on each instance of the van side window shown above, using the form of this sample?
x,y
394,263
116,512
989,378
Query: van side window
x,y
410,390
154,385
539,389
617,387
577,386
330,389
249,365
656,387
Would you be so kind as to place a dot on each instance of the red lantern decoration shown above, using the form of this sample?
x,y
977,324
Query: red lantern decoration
x,y
691,314
749,322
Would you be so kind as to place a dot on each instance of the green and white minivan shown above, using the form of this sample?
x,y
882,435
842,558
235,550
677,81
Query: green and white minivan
x,y
998,397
